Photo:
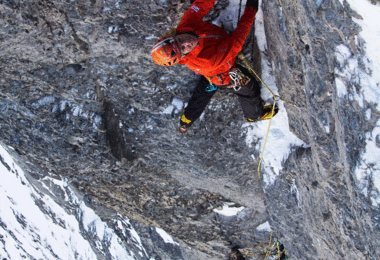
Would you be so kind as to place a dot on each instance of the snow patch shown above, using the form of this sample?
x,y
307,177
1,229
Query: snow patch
x,y
343,53
77,111
35,226
327,128
177,103
341,88
368,114
176,106
228,210
44,101
171,87
368,169
165,236
264,227
279,144
37,234
168,110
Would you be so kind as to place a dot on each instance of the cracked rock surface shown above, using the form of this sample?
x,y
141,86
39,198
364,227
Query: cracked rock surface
x,y
81,98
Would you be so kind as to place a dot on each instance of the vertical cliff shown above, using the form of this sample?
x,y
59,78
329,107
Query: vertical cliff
x,y
81,98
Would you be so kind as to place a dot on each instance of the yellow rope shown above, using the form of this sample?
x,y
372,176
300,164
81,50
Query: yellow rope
x,y
270,241
244,59
279,251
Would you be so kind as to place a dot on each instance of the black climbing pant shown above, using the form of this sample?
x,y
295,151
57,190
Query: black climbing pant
x,y
249,98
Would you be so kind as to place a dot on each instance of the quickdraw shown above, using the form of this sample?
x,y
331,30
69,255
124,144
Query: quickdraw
x,y
239,79
211,87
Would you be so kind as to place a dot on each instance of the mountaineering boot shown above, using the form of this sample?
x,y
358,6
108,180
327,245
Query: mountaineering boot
x,y
268,113
184,124
182,129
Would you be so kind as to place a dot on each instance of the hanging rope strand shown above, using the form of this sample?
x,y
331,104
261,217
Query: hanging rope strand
x,y
269,246
244,59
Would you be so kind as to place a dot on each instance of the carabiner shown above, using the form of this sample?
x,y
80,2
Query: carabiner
x,y
211,88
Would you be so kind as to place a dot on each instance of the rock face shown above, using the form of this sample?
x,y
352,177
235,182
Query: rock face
x,y
47,218
81,98
326,212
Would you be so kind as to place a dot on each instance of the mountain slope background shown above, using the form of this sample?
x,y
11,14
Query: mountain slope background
x,y
82,100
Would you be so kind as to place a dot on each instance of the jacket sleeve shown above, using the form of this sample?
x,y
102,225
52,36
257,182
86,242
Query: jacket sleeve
x,y
229,49
196,12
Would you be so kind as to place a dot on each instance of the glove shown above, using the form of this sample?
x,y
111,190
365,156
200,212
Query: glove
x,y
253,3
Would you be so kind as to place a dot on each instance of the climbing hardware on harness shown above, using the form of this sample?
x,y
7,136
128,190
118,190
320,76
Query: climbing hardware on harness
x,y
238,78
211,88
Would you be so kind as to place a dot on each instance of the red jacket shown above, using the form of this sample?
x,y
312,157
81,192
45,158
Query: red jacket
x,y
216,52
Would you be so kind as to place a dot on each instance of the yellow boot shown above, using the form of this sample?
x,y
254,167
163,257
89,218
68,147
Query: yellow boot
x,y
268,113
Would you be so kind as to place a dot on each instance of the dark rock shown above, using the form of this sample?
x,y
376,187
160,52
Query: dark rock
x,y
79,92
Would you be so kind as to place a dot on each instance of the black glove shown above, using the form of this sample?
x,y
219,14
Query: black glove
x,y
253,3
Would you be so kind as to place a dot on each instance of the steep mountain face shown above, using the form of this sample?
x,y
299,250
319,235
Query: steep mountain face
x,y
47,218
82,99
327,216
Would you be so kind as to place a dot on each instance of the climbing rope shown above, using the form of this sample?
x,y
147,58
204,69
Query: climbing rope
x,y
275,98
281,252
269,245
274,249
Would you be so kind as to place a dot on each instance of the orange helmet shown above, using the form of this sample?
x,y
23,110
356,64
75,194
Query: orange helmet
x,y
166,51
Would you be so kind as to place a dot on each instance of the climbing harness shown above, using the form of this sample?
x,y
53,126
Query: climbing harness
x,y
275,98
238,78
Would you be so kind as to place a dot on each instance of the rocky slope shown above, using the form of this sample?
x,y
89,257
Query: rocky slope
x,y
332,220
81,98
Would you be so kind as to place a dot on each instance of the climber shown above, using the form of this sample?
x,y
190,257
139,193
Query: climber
x,y
211,52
